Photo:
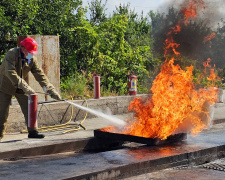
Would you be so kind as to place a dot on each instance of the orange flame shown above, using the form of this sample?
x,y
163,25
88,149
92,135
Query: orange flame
x,y
209,38
213,76
175,104
191,11
206,64
169,42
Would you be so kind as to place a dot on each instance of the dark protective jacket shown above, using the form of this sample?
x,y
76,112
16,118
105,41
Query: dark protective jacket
x,y
13,69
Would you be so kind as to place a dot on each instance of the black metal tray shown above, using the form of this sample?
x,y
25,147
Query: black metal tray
x,y
149,141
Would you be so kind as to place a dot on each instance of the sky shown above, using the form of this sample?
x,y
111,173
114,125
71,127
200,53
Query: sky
x,y
215,7
138,5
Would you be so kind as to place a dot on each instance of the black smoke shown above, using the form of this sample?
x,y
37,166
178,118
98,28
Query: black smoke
x,y
191,37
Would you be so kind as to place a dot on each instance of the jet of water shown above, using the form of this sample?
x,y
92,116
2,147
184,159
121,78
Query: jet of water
x,y
116,121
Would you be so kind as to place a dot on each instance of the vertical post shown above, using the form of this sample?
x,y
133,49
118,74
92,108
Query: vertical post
x,y
220,95
96,87
32,110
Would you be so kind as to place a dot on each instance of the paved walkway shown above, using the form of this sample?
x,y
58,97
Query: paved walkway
x,y
16,151
16,141
13,144
125,162
187,173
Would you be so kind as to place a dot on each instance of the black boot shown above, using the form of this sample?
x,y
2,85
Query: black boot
x,y
34,134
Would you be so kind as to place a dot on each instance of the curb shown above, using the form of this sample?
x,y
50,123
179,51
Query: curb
x,y
218,121
44,150
87,144
134,169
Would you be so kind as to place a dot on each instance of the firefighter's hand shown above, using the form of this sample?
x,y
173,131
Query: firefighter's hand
x,y
54,94
25,87
28,90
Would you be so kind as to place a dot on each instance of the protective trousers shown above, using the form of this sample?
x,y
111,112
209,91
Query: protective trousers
x,y
5,100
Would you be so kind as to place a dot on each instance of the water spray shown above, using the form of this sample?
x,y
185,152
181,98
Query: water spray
x,y
116,121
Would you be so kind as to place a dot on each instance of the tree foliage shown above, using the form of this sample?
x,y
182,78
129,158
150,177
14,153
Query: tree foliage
x,y
45,17
112,47
217,46
97,11
106,52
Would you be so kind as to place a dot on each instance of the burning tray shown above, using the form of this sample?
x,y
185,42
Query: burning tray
x,y
149,141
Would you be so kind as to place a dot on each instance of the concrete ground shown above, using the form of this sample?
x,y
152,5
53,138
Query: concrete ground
x,y
18,144
62,156
187,172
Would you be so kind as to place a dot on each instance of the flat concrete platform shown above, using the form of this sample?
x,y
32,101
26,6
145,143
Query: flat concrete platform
x,y
16,145
187,173
61,156
121,163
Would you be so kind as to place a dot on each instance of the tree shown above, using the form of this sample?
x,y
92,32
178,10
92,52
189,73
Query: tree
x,y
97,11
110,46
218,44
45,17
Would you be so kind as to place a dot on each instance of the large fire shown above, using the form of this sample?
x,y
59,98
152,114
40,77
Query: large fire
x,y
175,104
191,9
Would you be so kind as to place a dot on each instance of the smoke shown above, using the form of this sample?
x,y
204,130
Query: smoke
x,y
214,12
209,15
205,116
212,15
163,8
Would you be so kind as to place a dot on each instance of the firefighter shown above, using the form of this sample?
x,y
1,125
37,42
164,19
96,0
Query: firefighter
x,y
14,68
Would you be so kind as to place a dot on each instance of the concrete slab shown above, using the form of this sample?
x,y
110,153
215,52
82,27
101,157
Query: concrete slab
x,y
205,147
185,173
18,145
16,150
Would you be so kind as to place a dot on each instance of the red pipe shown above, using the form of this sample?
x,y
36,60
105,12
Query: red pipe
x,y
96,87
32,110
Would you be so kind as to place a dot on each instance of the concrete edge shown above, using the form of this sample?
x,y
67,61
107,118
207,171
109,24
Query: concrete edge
x,y
218,121
188,158
86,144
46,149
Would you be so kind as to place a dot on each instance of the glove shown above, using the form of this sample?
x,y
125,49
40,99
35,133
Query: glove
x,y
54,94
25,87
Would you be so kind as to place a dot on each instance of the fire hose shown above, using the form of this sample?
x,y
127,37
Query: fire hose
x,y
65,125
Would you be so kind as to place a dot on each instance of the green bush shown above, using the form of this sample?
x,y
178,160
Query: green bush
x,y
76,85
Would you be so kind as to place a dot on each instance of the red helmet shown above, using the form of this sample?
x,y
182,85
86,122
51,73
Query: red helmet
x,y
30,44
